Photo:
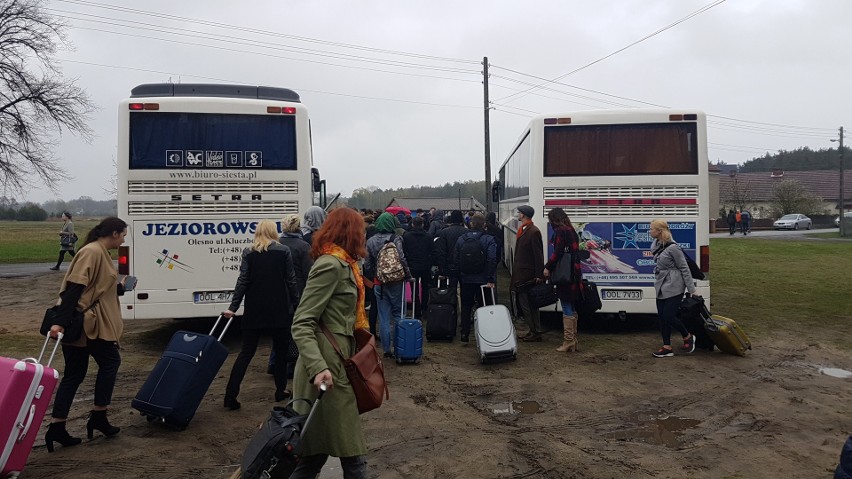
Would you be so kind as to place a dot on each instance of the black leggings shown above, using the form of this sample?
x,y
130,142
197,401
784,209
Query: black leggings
x,y
106,355
62,255
280,342
667,311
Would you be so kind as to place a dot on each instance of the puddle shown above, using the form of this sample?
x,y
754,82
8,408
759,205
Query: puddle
x,y
836,373
526,407
665,431
517,407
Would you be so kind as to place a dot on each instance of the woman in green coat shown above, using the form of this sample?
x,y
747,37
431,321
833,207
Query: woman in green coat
x,y
334,295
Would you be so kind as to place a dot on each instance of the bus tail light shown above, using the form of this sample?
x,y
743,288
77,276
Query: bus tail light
x,y
123,260
143,106
287,110
705,259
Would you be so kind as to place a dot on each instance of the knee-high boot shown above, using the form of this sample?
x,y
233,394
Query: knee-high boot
x,y
569,334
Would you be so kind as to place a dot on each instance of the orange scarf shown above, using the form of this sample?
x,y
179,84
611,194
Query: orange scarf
x,y
332,249
523,227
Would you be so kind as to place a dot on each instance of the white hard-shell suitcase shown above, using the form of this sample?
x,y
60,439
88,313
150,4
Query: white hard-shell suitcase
x,y
495,332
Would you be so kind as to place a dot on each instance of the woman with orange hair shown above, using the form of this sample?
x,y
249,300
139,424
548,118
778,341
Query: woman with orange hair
x,y
333,296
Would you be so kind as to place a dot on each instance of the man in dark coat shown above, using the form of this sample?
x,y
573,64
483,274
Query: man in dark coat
x,y
527,267
484,274
417,245
444,248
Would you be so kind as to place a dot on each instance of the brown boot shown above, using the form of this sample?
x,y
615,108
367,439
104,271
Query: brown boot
x,y
569,334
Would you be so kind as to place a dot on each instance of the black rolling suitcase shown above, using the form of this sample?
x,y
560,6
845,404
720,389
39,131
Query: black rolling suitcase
x,y
690,313
180,379
441,318
275,450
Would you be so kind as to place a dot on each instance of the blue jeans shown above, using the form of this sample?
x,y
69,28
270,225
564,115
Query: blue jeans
x,y
567,308
389,299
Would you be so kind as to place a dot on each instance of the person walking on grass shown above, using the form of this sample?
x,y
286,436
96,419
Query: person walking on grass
x,y
671,279
67,239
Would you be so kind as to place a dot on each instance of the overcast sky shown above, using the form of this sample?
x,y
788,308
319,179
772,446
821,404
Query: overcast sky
x,y
773,74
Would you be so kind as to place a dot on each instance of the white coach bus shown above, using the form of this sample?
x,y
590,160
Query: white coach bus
x,y
199,165
613,171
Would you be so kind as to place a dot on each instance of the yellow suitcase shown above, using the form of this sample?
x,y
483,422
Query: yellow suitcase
x,y
727,334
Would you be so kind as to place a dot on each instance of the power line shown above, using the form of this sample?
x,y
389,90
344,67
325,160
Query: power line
x,y
671,25
274,56
245,41
230,80
266,33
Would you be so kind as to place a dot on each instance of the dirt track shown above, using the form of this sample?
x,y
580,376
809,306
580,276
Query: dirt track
x,y
609,411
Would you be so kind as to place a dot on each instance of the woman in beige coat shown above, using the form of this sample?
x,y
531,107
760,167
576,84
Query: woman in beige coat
x,y
90,285
334,295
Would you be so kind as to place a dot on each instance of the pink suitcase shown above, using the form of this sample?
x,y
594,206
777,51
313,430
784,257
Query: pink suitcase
x,y
26,388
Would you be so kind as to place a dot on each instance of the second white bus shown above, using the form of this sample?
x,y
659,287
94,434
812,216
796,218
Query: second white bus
x,y
613,171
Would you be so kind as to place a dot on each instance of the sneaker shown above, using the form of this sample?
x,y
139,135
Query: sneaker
x,y
55,268
688,344
663,353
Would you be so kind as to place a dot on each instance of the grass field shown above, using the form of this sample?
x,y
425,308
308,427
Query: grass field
x,y
36,241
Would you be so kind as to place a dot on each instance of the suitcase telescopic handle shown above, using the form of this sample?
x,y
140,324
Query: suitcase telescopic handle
x,y
216,325
322,389
414,295
493,296
59,337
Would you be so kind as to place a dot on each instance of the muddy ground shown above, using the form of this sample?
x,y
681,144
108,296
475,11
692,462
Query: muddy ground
x,y
611,410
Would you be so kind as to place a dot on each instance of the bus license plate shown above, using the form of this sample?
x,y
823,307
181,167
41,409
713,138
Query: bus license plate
x,y
202,297
622,294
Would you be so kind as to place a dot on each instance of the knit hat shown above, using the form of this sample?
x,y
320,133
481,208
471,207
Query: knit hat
x,y
456,217
385,223
527,211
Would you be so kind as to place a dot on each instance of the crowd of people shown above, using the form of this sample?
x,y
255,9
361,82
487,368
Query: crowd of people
x,y
331,271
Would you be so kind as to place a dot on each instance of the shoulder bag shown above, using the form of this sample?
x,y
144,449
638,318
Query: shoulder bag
x,y
364,369
73,326
563,273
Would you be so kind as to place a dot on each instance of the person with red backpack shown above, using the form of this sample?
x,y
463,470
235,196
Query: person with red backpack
x,y
476,257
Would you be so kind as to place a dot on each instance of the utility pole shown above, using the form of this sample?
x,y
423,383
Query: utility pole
x,y
842,199
487,135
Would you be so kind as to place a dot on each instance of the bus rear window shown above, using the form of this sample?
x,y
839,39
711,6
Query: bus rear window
x,y
611,150
211,141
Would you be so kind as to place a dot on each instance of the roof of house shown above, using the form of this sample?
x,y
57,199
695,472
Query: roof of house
x,y
822,183
446,204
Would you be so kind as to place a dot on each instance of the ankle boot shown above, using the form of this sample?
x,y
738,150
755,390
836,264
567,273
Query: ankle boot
x,y
98,420
56,432
569,334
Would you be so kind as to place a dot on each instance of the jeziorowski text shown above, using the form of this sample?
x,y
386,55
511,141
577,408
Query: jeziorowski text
x,y
186,229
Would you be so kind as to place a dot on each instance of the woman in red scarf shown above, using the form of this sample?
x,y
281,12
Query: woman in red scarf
x,y
334,295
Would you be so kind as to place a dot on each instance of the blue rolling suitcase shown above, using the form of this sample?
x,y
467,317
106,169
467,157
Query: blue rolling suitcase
x,y
408,346
179,381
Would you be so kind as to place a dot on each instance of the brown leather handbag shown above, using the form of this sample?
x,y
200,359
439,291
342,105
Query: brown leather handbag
x,y
364,369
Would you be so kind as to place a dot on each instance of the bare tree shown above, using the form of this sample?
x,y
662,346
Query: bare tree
x,y
738,193
789,196
36,103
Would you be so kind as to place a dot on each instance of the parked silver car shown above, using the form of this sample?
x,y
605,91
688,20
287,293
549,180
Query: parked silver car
x,y
847,216
792,222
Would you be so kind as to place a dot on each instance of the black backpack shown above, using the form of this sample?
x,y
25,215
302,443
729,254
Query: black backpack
x,y
471,255
694,270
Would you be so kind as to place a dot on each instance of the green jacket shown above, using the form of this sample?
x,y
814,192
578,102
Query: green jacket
x,y
330,295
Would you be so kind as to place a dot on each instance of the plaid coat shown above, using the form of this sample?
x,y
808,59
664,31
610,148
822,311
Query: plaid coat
x,y
566,236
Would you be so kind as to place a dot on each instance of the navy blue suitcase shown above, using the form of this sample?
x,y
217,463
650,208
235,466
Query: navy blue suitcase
x,y
179,381
408,346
